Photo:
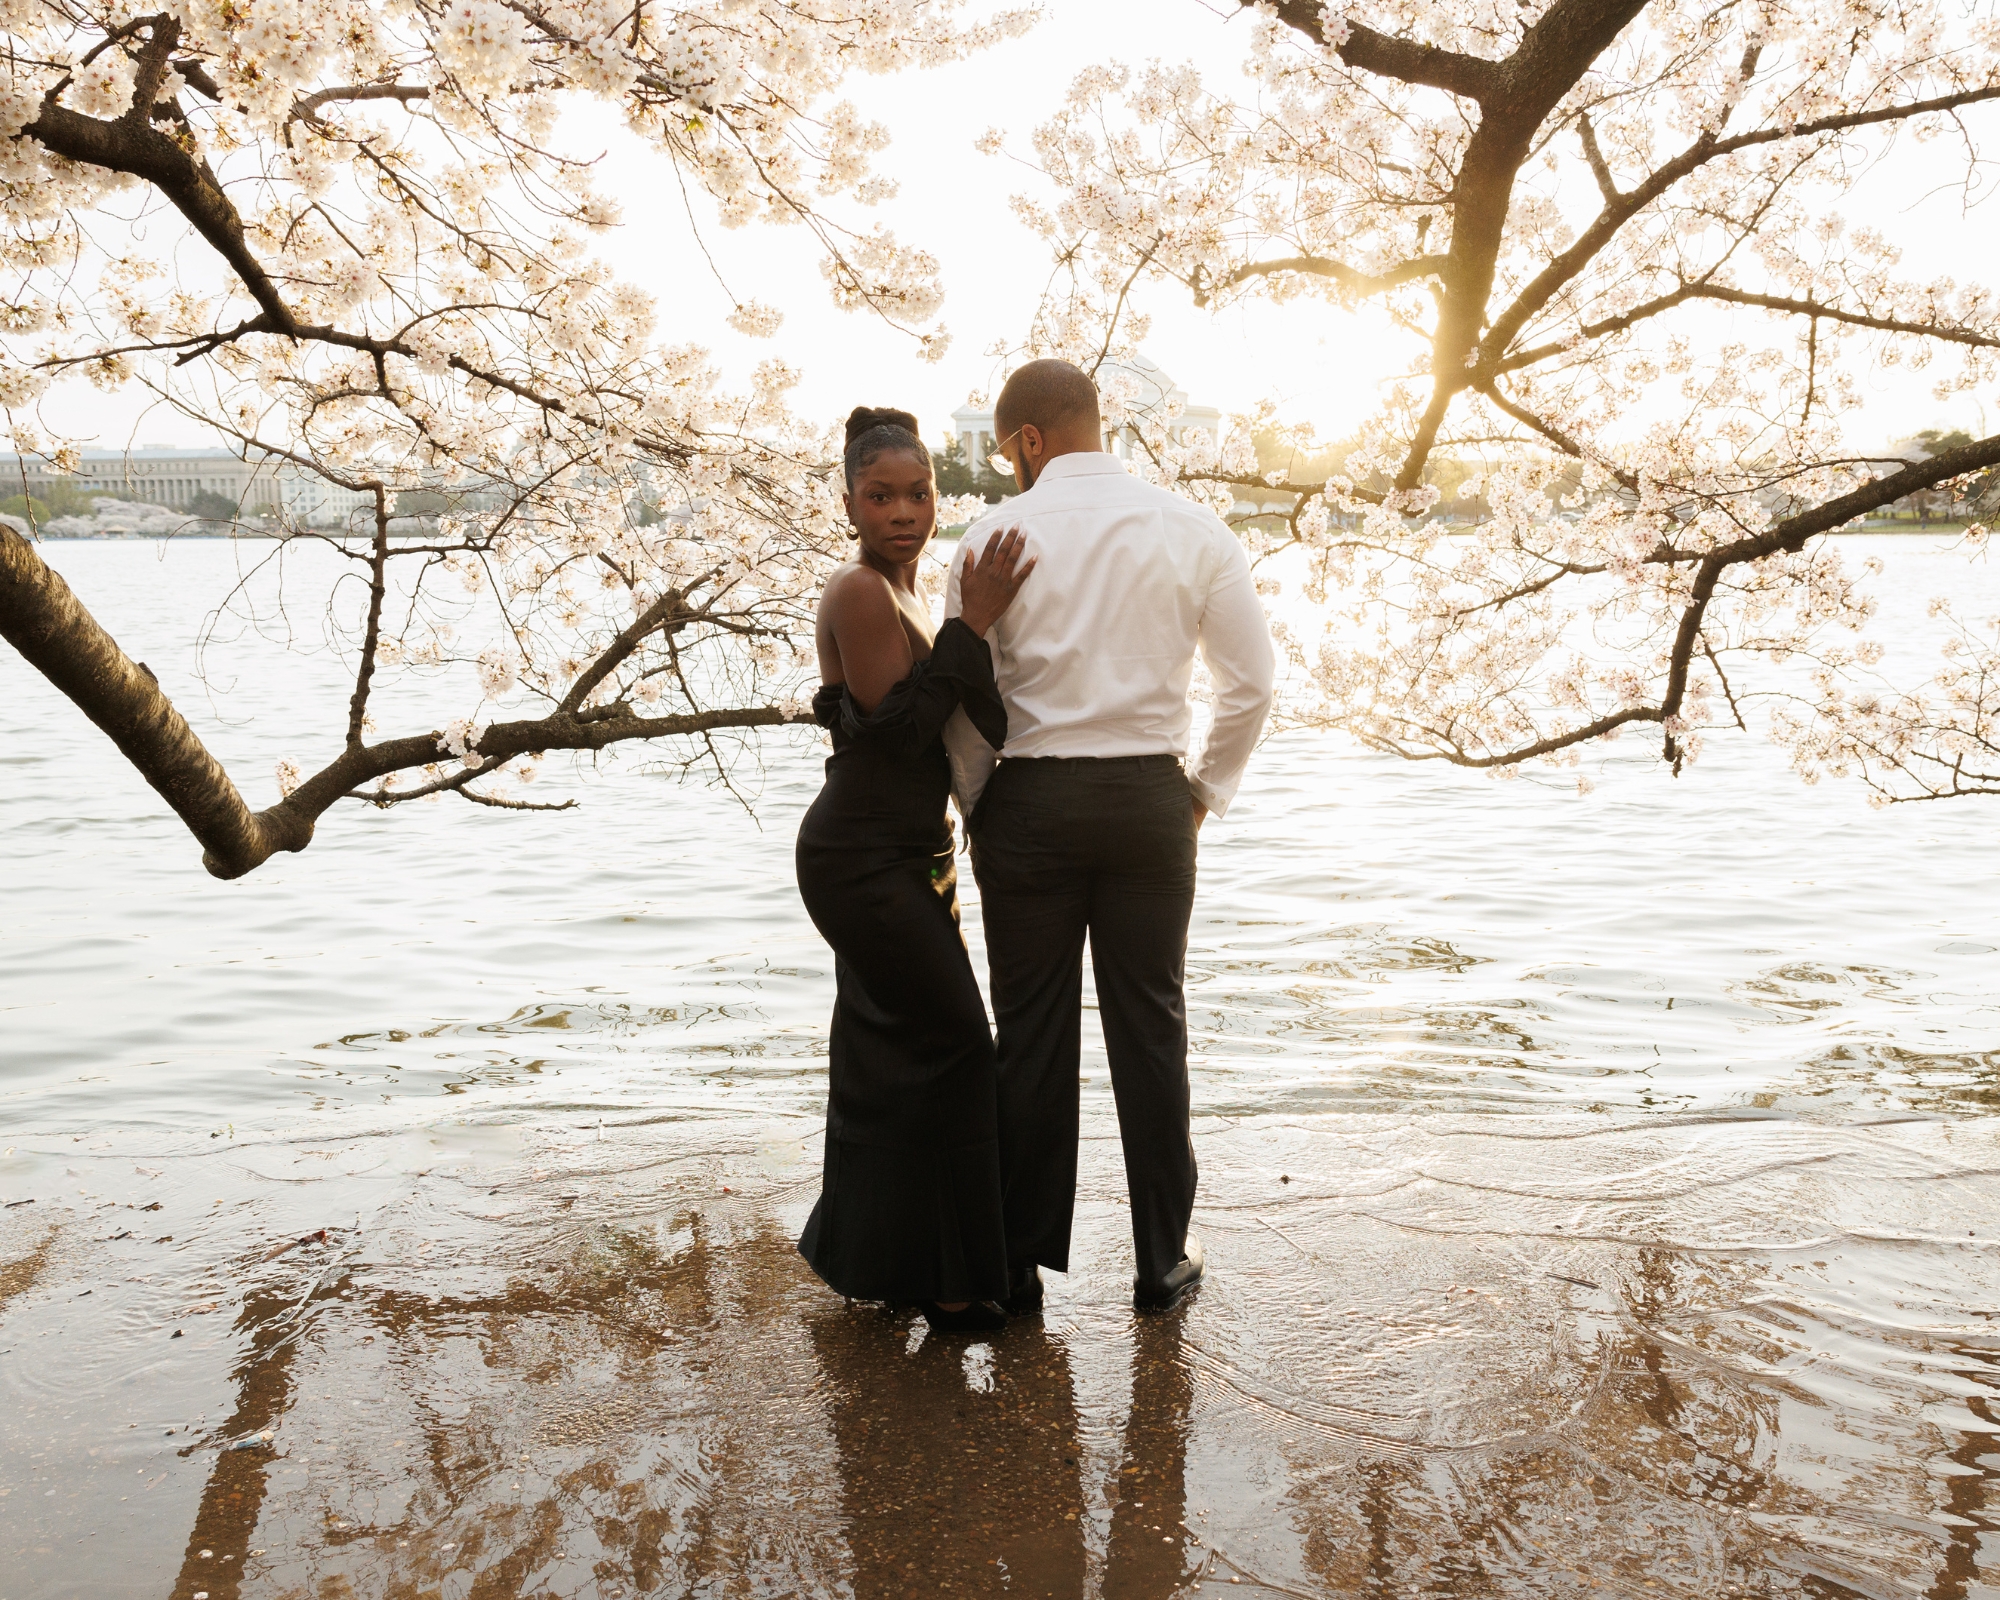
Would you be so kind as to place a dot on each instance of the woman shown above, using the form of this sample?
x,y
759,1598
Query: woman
x,y
909,1209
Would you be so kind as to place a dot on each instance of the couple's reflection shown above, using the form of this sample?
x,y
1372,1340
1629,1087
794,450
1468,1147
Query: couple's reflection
x,y
949,1487
1148,1550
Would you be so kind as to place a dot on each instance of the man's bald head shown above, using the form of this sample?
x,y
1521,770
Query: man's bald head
x,y
1054,396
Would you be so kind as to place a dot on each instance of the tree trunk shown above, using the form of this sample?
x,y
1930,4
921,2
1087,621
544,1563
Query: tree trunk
x,y
41,618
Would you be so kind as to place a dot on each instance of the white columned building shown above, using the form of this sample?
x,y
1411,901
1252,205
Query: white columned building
x,y
172,476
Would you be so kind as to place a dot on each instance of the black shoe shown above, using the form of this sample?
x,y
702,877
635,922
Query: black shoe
x,y
1175,1287
982,1316
1024,1291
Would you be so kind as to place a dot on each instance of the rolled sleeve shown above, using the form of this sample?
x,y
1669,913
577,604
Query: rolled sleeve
x,y
1235,642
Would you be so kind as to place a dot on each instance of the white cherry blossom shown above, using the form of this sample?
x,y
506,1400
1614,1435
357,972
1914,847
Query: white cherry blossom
x,y
1636,325
387,240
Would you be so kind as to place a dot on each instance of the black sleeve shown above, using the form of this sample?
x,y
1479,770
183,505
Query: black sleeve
x,y
958,672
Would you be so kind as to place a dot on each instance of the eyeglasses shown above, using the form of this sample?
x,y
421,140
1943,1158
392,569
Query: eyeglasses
x,y
1000,461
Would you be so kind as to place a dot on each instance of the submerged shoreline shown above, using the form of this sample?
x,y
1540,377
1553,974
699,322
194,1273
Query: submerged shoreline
x,y
537,1359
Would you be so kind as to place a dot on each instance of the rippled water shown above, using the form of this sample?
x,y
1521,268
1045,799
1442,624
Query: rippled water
x,y
1600,1194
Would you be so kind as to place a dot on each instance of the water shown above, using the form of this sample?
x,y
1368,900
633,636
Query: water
x,y
1600,1193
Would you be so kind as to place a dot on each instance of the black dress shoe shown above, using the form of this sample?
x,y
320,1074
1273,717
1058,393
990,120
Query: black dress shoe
x,y
1175,1287
982,1316
1024,1291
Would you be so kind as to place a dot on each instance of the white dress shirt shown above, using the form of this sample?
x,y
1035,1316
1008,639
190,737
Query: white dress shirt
x,y
1095,655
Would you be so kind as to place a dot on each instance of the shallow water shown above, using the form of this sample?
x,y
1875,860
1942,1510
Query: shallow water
x,y
1600,1194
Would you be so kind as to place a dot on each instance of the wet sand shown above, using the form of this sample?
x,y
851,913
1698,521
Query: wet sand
x,y
1490,1356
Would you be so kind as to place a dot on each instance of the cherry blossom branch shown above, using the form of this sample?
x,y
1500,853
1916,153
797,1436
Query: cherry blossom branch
x,y
1118,306
140,151
306,105
1820,311
365,344
1523,591
1600,169
384,797
151,72
1458,756
501,803
1514,96
371,634
1349,278
1963,785
1722,677
671,612
45,622
1373,497
459,783
1789,535
1708,147
1704,290
1548,430
49,626
113,37
1366,50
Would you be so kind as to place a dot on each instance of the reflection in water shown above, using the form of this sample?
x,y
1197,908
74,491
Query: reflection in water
x,y
232,1500
949,1486
1147,1556
1448,1367
1977,1459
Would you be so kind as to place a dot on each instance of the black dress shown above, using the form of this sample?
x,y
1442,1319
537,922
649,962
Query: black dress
x,y
909,1208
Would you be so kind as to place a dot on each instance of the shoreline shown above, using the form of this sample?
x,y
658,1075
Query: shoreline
x,y
533,1356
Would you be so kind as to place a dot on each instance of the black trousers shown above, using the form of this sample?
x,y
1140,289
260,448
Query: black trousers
x,y
1065,848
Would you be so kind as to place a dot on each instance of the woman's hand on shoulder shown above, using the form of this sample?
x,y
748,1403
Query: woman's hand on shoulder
x,y
990,579
858,608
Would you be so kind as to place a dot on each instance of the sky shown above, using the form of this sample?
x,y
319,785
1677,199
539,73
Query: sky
x,y
1318,363
955,203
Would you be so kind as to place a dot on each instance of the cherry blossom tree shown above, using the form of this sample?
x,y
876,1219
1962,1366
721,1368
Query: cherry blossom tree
x,y
392,287
1610,234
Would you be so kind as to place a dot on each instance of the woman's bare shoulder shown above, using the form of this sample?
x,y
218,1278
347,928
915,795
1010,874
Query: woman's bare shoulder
x,y
857,593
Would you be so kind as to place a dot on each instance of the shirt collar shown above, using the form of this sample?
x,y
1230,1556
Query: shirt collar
x,y
1081,464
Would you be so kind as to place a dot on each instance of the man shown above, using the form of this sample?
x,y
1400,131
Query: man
x,y
1087,824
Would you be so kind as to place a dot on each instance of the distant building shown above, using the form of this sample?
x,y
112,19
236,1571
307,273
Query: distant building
x,y
171,476
309,498
1151,392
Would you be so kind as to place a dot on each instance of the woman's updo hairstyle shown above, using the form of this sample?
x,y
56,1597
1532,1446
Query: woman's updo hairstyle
x,y
876,430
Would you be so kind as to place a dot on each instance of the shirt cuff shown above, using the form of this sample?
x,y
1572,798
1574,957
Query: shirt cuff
x,y
972,762
1216,802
